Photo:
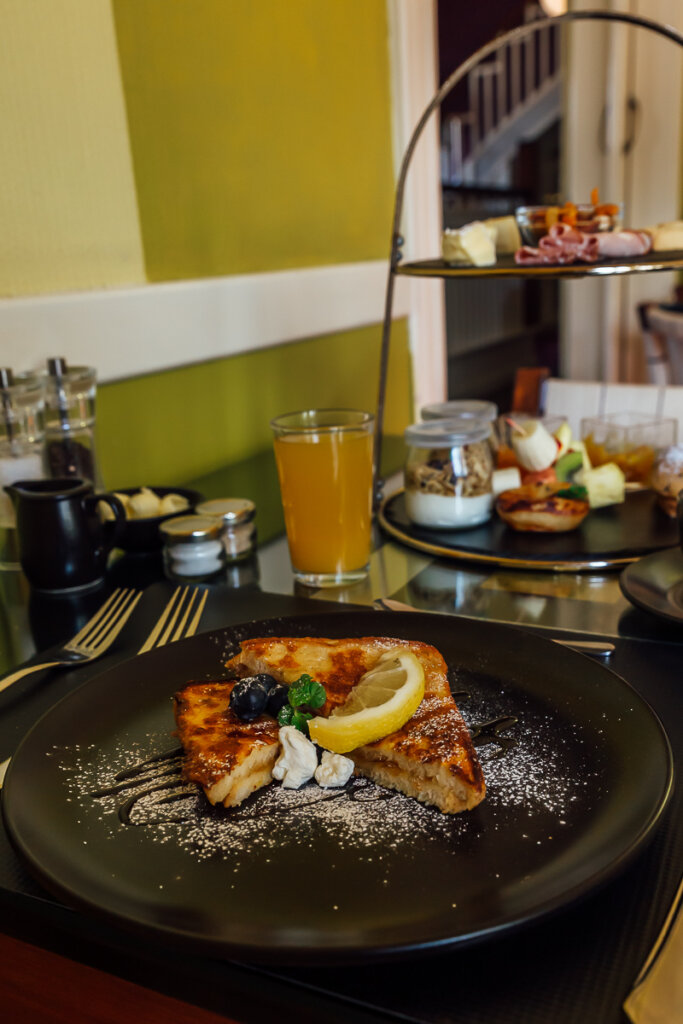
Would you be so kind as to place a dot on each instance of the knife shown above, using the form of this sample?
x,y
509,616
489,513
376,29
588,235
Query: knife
x,y
599,648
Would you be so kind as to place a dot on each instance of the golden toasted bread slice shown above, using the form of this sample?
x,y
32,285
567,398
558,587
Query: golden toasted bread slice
x,y
431,758
228,758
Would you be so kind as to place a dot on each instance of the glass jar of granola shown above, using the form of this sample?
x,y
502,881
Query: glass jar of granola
x,y
448,473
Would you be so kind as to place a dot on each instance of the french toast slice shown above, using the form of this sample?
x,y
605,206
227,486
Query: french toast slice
x,y
431,758
228,758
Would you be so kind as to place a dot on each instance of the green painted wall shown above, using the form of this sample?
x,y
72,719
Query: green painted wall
x,y
215,137
260,132
174,427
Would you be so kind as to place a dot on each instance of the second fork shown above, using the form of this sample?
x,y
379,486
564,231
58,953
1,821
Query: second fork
x,y
179,619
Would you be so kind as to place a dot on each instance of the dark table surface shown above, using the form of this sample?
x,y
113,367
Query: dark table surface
x,y
577,965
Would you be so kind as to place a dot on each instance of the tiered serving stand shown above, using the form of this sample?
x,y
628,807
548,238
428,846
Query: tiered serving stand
x,y
504,267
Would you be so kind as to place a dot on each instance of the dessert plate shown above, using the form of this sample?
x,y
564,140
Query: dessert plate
x,y
95,806
655,584
607,538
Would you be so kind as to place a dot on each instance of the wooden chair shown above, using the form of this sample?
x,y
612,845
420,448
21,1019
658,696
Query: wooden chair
x,y
528,394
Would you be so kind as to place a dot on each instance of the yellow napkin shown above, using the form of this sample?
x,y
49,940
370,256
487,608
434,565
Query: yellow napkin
x,y
657,993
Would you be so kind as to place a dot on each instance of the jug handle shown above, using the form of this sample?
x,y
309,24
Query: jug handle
x,y
112,530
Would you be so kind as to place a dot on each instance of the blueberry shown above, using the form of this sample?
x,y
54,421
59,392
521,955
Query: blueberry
x,y
277,698
249,697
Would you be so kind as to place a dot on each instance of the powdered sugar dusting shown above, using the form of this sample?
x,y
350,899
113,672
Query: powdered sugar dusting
x,y
534,768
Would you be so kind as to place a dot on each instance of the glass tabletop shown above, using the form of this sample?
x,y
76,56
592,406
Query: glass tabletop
x,y
585,603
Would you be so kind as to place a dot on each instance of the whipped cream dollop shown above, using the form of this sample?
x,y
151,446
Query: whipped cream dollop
x,y
298,758
333,770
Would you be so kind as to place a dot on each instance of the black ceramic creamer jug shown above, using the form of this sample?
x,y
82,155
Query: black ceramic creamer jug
x,y
63,542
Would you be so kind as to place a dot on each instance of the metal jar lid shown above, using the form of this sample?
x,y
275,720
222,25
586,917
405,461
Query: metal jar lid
x,y
233,511
190,529
471,408
446,433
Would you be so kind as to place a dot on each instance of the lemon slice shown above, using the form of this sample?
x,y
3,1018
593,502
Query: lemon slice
x,y
380,703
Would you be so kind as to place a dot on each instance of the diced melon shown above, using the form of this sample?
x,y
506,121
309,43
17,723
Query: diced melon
x,y
605,485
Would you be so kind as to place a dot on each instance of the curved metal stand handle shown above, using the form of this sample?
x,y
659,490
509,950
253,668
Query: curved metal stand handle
x,y
8,680
396,241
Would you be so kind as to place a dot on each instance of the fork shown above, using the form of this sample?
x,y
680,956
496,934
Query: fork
x,y
173,622
96,637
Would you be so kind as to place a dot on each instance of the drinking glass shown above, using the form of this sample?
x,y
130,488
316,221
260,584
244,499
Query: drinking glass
x,y
324,462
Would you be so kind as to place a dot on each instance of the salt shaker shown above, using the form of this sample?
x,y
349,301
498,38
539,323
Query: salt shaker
x,y
193,549
237,521
21,450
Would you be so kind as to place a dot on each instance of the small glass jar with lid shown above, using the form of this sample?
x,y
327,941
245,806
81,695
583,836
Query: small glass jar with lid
x,y
22,427
192,547
236,516
466,408
448,473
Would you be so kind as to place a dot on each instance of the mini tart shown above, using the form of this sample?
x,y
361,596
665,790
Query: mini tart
x,y
536,508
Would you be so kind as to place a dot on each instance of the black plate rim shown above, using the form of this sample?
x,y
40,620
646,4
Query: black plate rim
x,y
499,560
305,954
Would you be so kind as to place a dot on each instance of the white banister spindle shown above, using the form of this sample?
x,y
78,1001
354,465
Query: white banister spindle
x,y
515,75
501,85
529,66
544,54
475,106
455,148
488,119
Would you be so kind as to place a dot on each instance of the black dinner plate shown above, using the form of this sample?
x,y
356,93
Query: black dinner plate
x,y
655,584
317,876
608,537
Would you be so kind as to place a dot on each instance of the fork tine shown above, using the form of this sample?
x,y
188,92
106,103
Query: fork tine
x,y
192,628
166,635
180,629
91,636
152,638
99,614
106,631
103,643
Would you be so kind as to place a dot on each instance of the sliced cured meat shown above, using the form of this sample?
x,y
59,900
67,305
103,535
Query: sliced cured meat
x,y
564,244
623,243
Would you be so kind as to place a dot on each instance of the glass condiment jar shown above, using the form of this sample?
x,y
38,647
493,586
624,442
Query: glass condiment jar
x,y
466,409
22,427
236,516
192,547
448,472
470,408
70,421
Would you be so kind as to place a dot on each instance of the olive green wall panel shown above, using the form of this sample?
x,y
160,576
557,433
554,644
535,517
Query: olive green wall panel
x,y
260,132
171,427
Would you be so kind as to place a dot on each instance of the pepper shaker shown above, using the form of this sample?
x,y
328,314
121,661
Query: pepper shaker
x,y
236,516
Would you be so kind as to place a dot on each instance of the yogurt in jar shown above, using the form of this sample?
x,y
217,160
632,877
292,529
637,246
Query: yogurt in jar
x,y
448,473
443,510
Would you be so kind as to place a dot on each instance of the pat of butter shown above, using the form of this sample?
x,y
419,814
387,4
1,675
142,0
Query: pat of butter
x,y
473,244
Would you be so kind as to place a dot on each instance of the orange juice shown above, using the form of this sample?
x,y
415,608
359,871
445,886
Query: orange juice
x,y
326,486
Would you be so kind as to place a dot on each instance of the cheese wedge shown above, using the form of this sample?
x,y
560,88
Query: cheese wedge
x,y
473,245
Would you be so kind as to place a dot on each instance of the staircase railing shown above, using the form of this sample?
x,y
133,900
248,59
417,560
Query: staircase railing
x,y
512,95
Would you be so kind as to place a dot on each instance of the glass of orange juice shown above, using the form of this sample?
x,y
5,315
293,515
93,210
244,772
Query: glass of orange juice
x,y
324,462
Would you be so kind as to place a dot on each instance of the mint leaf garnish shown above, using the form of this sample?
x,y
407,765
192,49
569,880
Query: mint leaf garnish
x,y
306,691
284,715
